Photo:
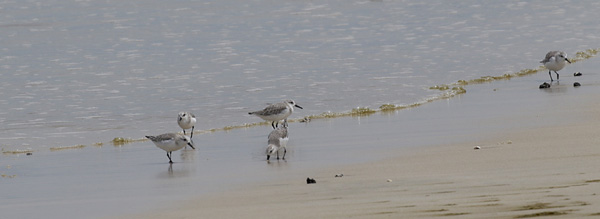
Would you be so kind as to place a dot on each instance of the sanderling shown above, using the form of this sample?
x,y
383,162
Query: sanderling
x,y
186,121
555,61
171,142
277,112
277,140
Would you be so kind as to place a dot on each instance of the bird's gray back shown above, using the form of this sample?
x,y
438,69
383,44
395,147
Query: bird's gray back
x,y
277,134
272,109
549,55
162,137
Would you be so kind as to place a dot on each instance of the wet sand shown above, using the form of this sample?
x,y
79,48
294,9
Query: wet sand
x,y
539,159
546,171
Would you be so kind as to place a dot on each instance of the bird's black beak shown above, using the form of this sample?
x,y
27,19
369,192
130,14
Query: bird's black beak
x,y
303,108
191,144
568,60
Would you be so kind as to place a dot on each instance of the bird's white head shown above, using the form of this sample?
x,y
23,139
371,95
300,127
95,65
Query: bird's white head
x,y
292,104
181,116
182,140
271,149
562,57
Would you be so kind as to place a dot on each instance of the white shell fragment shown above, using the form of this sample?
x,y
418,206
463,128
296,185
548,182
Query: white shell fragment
x,y
477,147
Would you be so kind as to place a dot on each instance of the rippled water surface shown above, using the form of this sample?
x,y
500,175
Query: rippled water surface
x,y
82,72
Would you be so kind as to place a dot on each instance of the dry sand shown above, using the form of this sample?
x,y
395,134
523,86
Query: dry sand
x,y
540,172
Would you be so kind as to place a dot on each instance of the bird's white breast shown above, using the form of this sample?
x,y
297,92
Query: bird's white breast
x,y
169,145
187,123
555,65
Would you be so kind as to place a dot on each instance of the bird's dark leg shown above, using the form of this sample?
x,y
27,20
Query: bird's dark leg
x,y
284,152
550,73
557,76
183,131
268,156
191,133
169,156
273,124
277,154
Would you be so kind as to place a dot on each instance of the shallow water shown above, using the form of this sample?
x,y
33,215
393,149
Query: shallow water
x,y
85,72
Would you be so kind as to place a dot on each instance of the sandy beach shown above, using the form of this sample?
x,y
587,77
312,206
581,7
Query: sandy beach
x,y
517,173
546,171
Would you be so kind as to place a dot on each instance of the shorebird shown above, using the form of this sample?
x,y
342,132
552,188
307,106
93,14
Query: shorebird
x,y
277,140
186,121
555,61
171,142
277,112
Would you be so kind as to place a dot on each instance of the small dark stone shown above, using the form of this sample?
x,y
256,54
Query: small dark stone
x,y
544,85
576,84
577,74
29,154
310,181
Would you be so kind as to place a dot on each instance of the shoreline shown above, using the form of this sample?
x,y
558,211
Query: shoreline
x,y
447,91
